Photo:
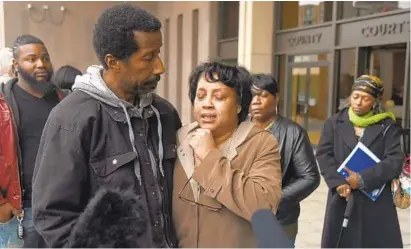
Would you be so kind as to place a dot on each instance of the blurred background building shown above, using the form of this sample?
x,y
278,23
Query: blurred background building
x,y
314,48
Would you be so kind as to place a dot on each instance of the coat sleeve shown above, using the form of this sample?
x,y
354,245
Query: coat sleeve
x,y
2,200
177,119
60,192
243,193
325,157
391,164
304,166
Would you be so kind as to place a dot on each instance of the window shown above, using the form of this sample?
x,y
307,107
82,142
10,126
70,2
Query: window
x,y
322,14
194,51
388,63
346,75
279,74
348,9
308,16
195,28
166,56
231,62
307,58
302,13
229,18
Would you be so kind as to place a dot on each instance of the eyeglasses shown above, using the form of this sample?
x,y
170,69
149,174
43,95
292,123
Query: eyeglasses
x,y
215,207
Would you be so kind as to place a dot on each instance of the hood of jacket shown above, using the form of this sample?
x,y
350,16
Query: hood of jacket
x,y
94,85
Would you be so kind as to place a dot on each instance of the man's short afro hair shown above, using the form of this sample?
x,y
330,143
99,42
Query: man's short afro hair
x,y
114,31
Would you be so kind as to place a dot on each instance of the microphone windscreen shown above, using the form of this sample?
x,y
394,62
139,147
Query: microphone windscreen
x,y
268,231
112,219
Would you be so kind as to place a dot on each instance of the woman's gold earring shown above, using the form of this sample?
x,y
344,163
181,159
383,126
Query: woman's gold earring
x,y
238,110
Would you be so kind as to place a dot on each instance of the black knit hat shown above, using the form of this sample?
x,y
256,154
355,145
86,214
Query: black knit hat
x,y
369,84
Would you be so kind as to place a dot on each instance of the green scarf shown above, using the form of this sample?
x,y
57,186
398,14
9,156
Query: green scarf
x,y
368,119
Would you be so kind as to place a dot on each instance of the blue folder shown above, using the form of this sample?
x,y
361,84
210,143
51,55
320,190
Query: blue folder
x,y
361,158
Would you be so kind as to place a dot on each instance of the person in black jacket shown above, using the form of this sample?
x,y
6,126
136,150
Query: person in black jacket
x,y
373,224
299,167
65,76
111,132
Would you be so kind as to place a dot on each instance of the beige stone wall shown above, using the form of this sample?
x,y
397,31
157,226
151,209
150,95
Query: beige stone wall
x,y
185,48
255,43
69,42
2,41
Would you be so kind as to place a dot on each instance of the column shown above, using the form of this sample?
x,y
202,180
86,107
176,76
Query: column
x,y
255,37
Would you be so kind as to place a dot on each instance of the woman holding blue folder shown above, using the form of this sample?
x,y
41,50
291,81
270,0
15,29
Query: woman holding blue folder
x,y
363,119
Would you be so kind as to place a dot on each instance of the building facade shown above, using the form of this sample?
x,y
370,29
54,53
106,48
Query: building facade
x,y
319,53
317,48
314,48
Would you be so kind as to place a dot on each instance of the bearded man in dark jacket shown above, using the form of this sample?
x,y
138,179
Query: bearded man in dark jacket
x,y
300,173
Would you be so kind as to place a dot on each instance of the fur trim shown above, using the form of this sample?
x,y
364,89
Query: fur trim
x,y
111,219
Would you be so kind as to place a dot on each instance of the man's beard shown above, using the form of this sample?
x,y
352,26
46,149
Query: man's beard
x,y
148,86
42,86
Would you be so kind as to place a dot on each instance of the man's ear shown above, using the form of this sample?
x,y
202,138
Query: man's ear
x,y
239,108
112,62
15,66
11,72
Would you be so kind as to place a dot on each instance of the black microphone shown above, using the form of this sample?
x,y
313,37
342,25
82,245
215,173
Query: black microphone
x,y
268,232
348,210
112,218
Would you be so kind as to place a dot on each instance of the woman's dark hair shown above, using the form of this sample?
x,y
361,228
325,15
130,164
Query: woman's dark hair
x,y
236,77
65,76
265,82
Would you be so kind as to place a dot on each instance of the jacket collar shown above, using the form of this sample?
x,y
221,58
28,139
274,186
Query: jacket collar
x,y
185,153
245,131
147,112
346,130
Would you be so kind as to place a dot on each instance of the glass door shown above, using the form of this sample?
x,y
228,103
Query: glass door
x,y
309,99
389,62
299,100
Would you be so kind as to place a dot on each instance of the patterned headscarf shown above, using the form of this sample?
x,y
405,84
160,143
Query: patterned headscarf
x,y
369,84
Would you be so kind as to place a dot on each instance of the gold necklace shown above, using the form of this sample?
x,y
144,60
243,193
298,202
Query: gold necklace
x,y
269,126
272,123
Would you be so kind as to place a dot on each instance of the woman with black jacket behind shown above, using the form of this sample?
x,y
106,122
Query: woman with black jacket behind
x,y
300,176
372,223
64,77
